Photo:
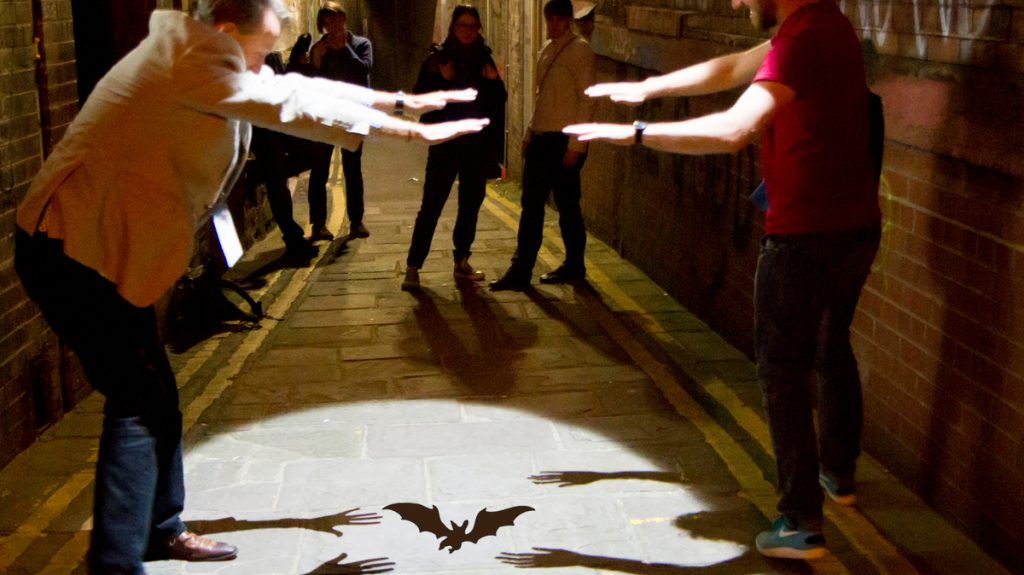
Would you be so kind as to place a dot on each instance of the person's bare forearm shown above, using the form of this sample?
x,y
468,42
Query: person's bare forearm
x,y
715,75
711,134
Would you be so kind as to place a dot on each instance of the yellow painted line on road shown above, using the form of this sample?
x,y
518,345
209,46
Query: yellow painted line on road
x,y
16,544
249,345
855,527
861,534
70,555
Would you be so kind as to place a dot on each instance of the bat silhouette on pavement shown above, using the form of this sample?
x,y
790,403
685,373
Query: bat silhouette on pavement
x,y
428,519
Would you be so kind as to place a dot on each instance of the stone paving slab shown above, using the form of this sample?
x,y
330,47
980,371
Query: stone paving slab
x,y
566,399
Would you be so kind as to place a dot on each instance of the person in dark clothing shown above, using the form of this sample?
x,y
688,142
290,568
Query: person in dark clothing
x,y
338,55
463,60
280,156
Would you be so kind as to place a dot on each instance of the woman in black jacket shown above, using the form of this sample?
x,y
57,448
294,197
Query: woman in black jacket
x,y
462,61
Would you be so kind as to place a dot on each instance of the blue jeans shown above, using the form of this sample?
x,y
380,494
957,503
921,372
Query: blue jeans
x,y
806,292
462,157
544,174
139,487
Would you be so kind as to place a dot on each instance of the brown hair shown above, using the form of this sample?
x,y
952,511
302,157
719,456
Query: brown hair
x,y
329,8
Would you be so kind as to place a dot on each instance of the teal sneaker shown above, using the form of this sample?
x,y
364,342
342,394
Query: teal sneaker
x,y
844,495
784,543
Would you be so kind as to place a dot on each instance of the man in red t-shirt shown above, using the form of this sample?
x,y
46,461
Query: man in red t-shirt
x,y
808,101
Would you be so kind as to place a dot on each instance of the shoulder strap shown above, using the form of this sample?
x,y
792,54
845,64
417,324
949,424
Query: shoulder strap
x,y
554,59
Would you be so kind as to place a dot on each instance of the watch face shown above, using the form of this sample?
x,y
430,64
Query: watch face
x,y
639,126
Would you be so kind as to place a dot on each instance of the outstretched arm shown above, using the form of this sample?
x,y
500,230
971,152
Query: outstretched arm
x,y
436,133
715,75
722,132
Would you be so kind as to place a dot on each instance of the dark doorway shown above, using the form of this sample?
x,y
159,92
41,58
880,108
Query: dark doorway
x,y
106,30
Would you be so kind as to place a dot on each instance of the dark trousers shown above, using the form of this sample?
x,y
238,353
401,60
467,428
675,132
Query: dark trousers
x,y
278,158
462,157
543,174
139,487
352,166
806,293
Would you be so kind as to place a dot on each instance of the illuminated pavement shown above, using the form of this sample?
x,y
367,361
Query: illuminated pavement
x,y
632,430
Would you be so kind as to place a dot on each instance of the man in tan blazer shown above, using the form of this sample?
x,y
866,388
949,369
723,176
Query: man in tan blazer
x,y
107,226
552,160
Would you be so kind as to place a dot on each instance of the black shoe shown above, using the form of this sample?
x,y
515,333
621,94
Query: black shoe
x,y
510,281
562,275
301,250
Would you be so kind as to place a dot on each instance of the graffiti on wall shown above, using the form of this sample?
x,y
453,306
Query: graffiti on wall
x,y
952,19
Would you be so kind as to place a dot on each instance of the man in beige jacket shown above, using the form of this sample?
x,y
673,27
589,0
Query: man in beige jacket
x,y
107,226
552,160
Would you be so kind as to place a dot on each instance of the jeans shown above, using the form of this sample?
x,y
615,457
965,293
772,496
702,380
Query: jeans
x,y
462,157
543,173
805,296
352,167
139,487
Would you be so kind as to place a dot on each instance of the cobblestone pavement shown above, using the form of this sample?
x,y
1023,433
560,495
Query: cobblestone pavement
x,y
631,429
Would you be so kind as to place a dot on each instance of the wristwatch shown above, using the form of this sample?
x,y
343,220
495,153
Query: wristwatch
x,y
639,126
399,103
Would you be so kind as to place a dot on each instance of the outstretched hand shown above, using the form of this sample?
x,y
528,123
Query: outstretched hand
x,y
545,557
629,93
420,103
437,133
363,567
621,134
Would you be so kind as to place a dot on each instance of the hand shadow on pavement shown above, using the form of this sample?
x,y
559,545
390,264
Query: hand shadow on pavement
x,y
547,558
575,478
325,523
362,567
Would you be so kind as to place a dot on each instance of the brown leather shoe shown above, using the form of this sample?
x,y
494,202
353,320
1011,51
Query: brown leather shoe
x,y
193,547
320,233
358,231
464,271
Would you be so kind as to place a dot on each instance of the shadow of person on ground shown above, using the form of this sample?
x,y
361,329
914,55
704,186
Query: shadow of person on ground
x,y
325,523
481,360
328,524
547,558
252,274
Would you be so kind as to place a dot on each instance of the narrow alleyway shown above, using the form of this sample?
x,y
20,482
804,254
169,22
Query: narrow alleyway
x,y
633,432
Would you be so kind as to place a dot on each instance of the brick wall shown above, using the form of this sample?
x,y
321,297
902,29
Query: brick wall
x,y
37,104
940,331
